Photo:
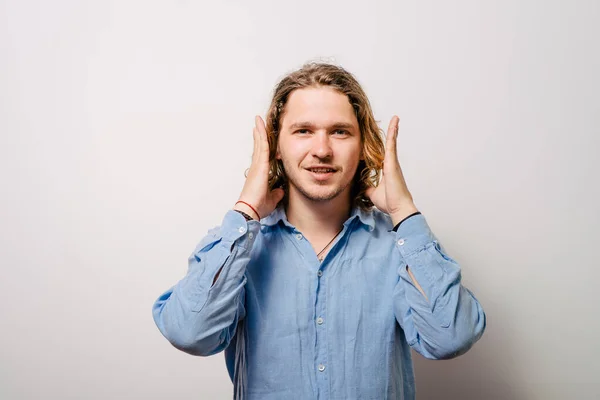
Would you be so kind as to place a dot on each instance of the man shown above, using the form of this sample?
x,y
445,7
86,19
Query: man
x,y
312,292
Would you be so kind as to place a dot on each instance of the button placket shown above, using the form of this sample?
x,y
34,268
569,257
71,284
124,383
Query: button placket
x,y
321,333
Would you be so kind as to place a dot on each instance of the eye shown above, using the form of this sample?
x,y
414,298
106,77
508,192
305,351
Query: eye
x,y
341,132
301,131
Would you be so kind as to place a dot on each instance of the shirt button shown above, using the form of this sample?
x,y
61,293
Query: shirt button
x,y
319,320
299,236
320,273
321,367
401,242
251,235
242,229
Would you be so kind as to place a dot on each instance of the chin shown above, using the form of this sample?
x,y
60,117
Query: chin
x,y
320,193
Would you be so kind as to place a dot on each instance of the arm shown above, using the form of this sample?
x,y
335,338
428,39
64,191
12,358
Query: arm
x,y
199,315
440,317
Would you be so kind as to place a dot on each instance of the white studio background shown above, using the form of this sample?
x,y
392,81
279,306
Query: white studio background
x,y
126,127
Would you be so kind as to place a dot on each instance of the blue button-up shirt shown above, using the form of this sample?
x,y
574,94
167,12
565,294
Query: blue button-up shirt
x,y
294,327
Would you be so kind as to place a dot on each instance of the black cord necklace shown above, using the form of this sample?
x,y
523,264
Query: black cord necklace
x,y
319,254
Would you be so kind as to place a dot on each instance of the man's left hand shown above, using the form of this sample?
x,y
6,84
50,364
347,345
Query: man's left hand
x,y
392,195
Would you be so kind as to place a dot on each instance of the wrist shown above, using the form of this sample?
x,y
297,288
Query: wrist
x,y
402,213
246,210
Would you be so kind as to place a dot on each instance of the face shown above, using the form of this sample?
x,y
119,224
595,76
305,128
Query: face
x,y
319,143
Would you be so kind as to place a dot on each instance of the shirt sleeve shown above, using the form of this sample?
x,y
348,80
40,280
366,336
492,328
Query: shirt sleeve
x,y
449,320
398,224
197,316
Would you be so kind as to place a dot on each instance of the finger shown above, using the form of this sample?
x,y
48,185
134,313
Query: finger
x,y
256,143
381,183
264,142
392,136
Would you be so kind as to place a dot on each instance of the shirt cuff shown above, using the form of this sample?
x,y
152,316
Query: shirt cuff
x,y
413,235
235,227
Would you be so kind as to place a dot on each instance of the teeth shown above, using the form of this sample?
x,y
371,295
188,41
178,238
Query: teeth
x,y
321,170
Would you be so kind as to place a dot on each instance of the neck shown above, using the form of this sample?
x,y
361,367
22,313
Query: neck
x,y
318,218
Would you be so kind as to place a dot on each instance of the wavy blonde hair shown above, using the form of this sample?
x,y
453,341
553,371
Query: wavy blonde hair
x,y
317,74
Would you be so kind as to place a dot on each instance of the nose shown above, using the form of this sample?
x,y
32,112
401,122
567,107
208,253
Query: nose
x,y
321,147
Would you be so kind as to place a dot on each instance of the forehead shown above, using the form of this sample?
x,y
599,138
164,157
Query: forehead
x,y
322,106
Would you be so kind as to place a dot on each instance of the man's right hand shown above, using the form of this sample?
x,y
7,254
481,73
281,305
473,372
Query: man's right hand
x,y
256,188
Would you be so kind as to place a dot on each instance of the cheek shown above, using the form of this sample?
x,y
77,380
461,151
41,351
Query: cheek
x,y
293,150
352,156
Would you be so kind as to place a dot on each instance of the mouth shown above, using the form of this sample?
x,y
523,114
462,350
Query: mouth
x,y
321,173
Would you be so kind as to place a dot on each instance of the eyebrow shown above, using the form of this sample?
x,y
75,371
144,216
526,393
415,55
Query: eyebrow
x,y
306,124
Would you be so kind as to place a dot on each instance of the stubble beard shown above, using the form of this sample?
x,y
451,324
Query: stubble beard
x,y
320,197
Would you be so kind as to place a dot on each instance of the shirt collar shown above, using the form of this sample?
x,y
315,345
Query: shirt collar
x,y
365,217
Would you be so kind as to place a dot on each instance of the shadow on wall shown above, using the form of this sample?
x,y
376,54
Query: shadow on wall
x,y
487,371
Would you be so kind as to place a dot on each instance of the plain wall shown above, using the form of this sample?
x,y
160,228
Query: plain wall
x,y
126,127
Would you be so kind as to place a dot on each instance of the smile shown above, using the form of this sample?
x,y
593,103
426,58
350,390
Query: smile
x,y
321,174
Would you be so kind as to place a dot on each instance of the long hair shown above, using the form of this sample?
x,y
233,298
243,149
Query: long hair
x,y
317,74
